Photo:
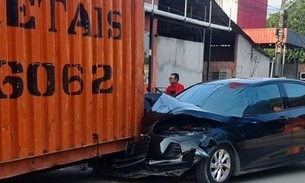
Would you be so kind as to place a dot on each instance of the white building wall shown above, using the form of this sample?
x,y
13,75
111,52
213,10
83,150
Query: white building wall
x,y
263,65
250,63
230,7
182,57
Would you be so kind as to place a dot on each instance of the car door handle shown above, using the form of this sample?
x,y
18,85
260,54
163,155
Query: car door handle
x,y
283,119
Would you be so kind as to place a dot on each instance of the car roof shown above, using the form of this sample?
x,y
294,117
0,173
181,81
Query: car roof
x,y
254,81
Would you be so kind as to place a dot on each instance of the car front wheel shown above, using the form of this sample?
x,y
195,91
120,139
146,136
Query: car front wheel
x,y
218,167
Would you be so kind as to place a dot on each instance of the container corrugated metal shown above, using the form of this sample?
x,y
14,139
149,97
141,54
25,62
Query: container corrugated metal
x,y
69,69
252,14
264,36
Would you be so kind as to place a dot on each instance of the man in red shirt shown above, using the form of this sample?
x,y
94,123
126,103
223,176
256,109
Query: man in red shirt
x,y
174,88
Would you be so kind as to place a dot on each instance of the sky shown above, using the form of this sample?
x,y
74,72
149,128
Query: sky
x,y
274,6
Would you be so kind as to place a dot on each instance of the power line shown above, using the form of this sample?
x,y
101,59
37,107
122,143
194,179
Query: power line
x,y
259,10
266,4
202,2
256,13
258,2
249,9
290,3
254,8
273,8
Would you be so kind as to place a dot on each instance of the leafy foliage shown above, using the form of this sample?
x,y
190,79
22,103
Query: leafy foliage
x,y
295,21
295,17
273,20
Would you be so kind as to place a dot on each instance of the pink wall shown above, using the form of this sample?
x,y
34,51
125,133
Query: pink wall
x,y
252,13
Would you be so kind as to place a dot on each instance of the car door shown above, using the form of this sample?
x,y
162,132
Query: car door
x,y
295,99
266,140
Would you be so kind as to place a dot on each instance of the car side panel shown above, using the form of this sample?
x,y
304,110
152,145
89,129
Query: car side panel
x,y
267,141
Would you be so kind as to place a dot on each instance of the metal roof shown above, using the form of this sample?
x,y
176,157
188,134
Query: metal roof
x,y
295,39
267,37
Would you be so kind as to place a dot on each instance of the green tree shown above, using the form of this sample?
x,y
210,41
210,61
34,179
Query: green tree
x,y
295,21
273,20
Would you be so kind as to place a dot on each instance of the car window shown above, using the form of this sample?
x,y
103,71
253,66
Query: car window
x,y
263,99
216,98
198,94
235,99
227,101
296,94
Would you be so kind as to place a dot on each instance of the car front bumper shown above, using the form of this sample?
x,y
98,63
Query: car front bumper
x,y
157,155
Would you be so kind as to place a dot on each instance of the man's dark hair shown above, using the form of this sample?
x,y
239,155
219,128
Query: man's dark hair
x,y
176,76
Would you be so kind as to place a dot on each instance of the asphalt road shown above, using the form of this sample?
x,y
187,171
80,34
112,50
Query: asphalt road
x,y
288,174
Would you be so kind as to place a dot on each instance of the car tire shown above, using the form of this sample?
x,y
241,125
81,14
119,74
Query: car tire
x,y
218,167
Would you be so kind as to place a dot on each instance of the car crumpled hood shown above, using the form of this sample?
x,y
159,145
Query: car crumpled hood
x,y
170,105
167,106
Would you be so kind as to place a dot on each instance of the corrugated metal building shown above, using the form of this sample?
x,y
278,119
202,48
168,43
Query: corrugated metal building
x,y
294,41
184,48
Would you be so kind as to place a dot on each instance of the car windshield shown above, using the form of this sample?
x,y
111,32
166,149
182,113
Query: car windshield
x,y
218,98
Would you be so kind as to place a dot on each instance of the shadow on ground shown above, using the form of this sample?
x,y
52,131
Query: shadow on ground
x,y
74,174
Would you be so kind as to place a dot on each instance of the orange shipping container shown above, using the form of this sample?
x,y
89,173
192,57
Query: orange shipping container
x,y
71,77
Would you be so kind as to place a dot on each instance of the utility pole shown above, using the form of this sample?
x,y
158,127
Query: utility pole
x,y
279,44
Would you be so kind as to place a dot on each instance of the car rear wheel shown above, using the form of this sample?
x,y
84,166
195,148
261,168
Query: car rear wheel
x,y
218,167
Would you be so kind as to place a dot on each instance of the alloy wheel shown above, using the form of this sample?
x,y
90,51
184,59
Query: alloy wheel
x,y
220,165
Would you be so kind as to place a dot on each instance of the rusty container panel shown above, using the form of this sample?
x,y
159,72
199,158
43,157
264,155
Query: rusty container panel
x,y
71,80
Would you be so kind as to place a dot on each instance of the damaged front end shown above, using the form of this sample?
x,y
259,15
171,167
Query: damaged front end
x,y
179,138
156,154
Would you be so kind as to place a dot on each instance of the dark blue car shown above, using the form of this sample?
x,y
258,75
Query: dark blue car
x,y
219,129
